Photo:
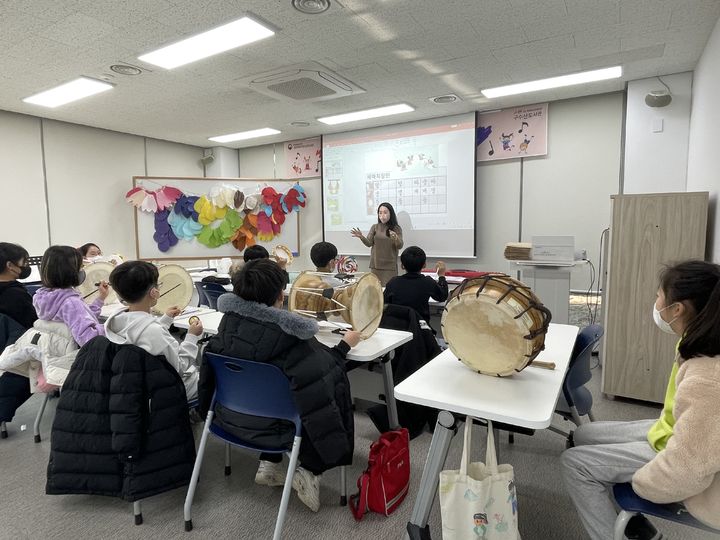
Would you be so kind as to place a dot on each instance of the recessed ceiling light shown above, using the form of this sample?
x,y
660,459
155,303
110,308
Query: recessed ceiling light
x,y
71,91
124,69
243,135
555,82
447,98
300,124
311,7
365,114
220,39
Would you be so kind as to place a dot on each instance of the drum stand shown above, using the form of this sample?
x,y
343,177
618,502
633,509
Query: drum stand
x,y
445,429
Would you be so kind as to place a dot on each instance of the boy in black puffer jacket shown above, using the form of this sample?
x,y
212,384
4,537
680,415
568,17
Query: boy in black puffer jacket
x,y
256,328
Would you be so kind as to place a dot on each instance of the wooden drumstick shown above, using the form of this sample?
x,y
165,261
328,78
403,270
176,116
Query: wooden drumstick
x,y
543,365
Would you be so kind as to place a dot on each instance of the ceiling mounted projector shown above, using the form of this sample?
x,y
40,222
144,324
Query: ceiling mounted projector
x,y
658,98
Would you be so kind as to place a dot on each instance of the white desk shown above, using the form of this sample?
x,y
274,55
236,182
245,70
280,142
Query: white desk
x,y
526,399
381,345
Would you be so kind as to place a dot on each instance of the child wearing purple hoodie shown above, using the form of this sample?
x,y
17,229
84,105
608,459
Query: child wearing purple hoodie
x,y
57,300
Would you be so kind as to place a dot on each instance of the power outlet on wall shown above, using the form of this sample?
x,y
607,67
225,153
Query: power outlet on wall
x,y
581,255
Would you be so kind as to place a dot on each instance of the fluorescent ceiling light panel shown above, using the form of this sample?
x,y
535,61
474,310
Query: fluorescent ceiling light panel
x,y
368,113
220,39
554,82
68,92
241,136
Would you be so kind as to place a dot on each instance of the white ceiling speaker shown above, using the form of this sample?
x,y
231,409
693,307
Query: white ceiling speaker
x,y
658,98
208,158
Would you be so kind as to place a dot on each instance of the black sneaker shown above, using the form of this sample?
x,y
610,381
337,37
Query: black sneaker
x,y
640,528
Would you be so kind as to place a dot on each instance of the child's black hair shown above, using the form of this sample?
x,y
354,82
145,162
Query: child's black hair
x,y
261,280
322,253
12,253
133,279
413,259
85,247
60,267
255,252
696,283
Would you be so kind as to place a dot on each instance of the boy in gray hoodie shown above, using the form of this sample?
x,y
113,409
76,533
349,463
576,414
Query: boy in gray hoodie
x,y
136,283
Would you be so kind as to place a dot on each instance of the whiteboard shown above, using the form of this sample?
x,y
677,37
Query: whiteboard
x,y
146,247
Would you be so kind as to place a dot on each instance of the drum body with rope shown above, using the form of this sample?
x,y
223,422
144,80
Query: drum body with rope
x,y
357,299
495,324
95,273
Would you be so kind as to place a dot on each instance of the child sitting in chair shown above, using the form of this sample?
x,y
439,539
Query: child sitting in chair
x,y
256,328
414,290
136,283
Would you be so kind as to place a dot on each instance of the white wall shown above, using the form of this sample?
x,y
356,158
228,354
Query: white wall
x,y
23,219
703,169
566,192
88,172
657,162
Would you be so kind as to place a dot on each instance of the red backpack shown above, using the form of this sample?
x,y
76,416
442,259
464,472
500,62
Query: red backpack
x,y
384,484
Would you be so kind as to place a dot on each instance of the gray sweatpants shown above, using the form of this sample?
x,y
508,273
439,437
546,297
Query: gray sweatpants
x,y
605,453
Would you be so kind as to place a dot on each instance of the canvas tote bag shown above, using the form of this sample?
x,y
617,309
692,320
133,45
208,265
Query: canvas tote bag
x,y
478,502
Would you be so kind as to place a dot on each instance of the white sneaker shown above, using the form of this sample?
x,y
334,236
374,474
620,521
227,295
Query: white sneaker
x,y
270,474
307,486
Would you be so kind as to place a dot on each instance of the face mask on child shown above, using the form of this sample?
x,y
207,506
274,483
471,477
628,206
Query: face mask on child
x,y
660,322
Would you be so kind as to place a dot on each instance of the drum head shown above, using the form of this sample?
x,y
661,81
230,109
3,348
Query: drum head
x,y
366,305
487,322
176,289
95,273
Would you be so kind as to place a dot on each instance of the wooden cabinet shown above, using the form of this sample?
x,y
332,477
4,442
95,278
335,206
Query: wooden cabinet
x,y
648,231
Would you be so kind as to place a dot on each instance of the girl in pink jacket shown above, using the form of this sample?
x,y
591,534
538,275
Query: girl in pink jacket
x,y
675,458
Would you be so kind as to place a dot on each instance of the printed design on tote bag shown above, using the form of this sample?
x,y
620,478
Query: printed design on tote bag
x,y
501,525
470,495
512,497
481,522
489,503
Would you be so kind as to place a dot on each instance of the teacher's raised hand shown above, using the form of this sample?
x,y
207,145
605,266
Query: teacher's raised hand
x,y
357,233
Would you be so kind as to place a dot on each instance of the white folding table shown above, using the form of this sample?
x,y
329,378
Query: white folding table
x,y
526,399
380,346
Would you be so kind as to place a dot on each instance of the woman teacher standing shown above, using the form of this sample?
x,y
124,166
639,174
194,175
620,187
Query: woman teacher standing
x,y
385,241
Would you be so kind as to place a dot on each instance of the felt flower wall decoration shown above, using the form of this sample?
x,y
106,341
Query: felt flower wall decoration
x,y
152,201
185,228
164,235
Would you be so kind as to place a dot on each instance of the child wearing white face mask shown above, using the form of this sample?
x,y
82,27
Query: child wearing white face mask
x,y
675,458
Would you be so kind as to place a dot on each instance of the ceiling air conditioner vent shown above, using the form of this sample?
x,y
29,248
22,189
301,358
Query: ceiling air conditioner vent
x,y
305,82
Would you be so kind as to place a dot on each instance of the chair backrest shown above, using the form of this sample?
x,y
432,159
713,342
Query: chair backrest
x,y
202,299
32,288
579,371
212,292
253,388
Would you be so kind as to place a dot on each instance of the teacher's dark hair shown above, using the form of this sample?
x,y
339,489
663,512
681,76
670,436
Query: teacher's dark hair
x,y
392,223
697,285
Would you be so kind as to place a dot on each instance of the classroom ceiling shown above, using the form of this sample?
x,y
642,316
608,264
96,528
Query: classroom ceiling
x,y
396,50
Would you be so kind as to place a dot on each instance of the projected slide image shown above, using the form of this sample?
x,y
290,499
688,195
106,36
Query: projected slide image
x,y
414,195
425,169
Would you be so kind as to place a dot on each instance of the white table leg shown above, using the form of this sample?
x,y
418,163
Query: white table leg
x,y
445,430
389,385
